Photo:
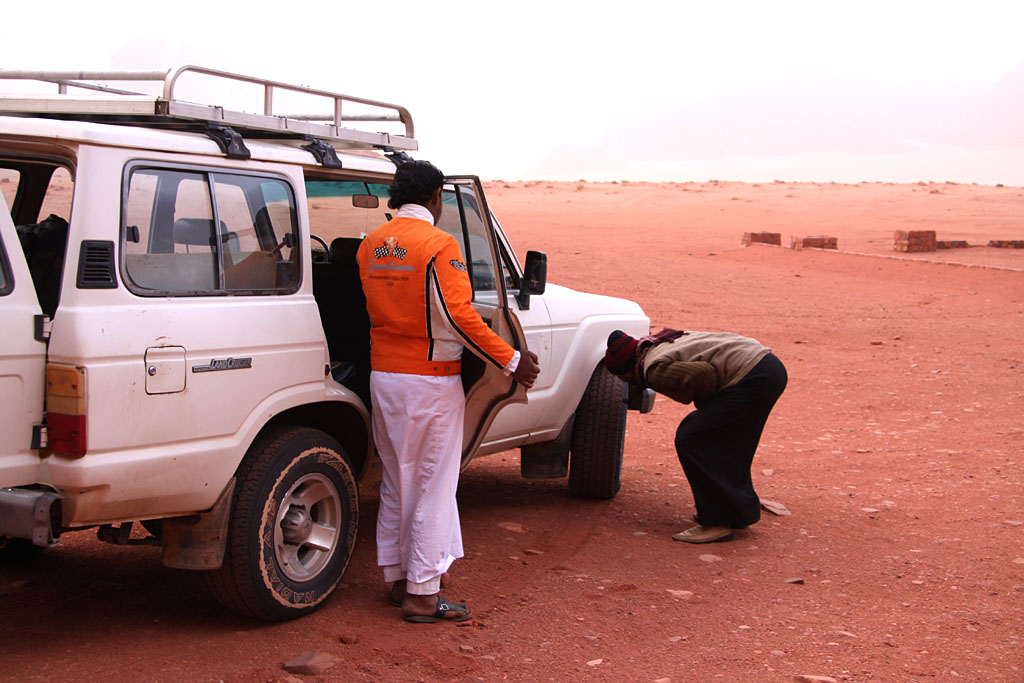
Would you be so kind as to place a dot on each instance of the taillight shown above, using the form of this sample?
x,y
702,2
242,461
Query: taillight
x,y
65,410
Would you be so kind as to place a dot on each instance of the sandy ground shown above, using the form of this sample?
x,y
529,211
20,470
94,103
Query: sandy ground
x,y
897,447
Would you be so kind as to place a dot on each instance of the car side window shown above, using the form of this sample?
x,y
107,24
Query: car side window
x,y
9,185
507,271
38,192
462,218
196,233
6,282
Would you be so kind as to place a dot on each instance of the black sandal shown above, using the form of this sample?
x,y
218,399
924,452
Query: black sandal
x,y
443,608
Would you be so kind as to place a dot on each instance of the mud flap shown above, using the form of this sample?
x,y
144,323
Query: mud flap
x,y
197,541
549,459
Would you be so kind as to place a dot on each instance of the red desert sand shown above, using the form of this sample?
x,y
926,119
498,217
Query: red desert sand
x,y
897,448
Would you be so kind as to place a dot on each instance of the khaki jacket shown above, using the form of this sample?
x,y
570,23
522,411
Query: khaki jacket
x,y
696,366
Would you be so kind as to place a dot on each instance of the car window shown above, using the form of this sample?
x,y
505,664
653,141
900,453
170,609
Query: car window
x,y
57,201
9,184
38,193
507,257
6,282
462,218
343,208
194,232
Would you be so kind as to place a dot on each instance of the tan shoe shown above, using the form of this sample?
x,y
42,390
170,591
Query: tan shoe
x,y
705,534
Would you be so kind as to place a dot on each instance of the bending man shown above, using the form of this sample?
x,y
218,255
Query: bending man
x,y
733,382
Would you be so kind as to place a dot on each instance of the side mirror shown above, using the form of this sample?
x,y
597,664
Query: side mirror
x,y
535,278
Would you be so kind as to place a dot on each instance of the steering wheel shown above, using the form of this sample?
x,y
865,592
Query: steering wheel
x,y
327,251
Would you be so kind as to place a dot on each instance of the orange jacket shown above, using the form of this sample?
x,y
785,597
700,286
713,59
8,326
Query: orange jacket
x,y
419,297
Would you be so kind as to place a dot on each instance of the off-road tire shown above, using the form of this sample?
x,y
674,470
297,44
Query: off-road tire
x,y
598,436
292,482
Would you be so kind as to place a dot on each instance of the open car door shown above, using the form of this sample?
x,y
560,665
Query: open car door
x,y
22,360
467,217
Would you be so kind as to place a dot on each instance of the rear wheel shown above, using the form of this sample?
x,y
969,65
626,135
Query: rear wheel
x,y
294,518
598,436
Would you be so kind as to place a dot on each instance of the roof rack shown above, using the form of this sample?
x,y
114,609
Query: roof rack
x,y
227,127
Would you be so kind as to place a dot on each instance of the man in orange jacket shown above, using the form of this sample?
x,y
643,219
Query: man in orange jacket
x,y
419,298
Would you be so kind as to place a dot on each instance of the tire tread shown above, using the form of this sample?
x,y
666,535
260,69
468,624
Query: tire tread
x,y
598,437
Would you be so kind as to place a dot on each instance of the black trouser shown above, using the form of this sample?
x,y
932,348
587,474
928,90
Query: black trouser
x,y
717,442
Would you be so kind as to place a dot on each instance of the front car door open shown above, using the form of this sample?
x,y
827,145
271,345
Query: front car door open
x,y
467,217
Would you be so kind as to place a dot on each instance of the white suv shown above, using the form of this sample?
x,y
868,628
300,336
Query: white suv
x,y
185,341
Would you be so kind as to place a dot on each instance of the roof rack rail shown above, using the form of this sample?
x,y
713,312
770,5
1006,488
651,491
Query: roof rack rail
x,y
113,105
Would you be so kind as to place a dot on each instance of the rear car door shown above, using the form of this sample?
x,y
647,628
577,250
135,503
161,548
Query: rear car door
x,y
22,360
488,389
203,330
214,252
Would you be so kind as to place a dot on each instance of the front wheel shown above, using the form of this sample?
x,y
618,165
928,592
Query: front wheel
x,y
294,519
598,437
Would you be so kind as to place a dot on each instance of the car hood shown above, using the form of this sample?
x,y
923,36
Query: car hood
x,y
567,305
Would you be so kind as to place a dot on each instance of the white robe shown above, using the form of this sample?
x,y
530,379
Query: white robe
x,y
417,427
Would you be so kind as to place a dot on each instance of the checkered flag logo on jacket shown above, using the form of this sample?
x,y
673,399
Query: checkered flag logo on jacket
x,y
392,249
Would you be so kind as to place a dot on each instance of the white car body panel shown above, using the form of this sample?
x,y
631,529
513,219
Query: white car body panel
x,y
165,445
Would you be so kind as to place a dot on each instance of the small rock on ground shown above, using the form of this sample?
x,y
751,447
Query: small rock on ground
x,y
806,678
311,663
775,508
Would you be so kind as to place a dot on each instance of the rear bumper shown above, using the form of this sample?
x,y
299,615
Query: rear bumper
x,y
29,514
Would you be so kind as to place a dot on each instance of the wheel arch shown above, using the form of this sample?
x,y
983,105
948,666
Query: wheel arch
x,y
346,423
582,358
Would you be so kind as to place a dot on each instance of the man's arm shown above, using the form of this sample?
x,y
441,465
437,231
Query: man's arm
x,y
449,280
683,381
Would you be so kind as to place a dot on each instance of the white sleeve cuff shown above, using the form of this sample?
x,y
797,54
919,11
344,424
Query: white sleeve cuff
x,y
512,364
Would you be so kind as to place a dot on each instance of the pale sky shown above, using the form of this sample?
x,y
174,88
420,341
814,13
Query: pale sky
x,y
867,90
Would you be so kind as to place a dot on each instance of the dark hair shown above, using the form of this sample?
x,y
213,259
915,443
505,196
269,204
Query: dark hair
x,y
414,183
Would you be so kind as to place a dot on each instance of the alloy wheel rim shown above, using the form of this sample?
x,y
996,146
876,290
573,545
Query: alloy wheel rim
x,y
306,527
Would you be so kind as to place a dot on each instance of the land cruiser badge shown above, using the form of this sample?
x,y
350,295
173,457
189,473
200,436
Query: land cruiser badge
x,y
225,364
